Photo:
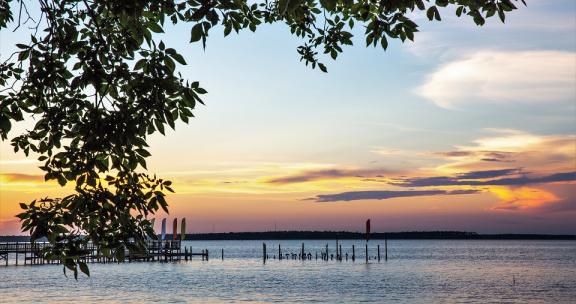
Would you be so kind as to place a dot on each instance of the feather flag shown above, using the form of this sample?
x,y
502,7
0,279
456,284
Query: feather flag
x,y
163,229
175,229
183,229
367,230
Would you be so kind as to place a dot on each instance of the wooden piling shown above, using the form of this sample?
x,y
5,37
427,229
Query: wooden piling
x,y
279,252
222,254
353,253
378,253
302,253
264,252
385,248
366,252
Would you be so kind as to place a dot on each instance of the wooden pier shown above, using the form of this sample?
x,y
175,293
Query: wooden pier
x,y
26,253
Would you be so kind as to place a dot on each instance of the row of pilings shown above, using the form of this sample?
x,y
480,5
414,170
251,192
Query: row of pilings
x,y
325,254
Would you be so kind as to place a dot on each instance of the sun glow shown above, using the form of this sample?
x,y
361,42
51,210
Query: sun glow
x,y
522,198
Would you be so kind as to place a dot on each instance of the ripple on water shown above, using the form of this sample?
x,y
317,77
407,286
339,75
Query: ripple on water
x,y
417,272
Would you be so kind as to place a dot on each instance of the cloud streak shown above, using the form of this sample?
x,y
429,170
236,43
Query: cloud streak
x,y
487,173
385,194
20,177
488,156
460,180
314,175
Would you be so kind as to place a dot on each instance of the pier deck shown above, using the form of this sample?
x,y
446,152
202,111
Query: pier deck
x,y
165,250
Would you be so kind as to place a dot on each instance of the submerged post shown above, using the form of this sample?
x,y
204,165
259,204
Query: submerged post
x,y
378,253
279,252
264,252
302,253
222,254
353,253
366,252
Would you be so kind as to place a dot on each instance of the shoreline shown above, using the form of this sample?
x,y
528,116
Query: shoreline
x,y
347,235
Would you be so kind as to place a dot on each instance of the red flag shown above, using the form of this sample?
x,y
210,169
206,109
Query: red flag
x,y
367,230
175,229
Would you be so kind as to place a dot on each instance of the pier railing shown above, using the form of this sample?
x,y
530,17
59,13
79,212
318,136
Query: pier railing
x,y
154,250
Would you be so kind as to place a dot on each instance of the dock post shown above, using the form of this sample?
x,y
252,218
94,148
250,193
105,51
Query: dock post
x,y
337,253
207,255
385,248
326,252
340,253
279,252
222,254
185,253
353,253
366,252
303,254
378,253
264,252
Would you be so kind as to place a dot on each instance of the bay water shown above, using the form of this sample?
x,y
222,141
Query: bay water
x,y
417,271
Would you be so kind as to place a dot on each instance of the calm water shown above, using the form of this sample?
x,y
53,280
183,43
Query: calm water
x,y
416,272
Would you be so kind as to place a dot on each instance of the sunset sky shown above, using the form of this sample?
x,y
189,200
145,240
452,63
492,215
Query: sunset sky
x,y
467,128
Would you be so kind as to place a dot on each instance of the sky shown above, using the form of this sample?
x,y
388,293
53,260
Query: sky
x,y
467,128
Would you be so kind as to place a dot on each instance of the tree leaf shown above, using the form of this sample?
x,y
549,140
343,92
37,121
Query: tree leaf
x,y
153,26
196,33
84,268
179,58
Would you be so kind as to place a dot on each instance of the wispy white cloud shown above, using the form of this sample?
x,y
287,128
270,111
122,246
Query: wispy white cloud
x,y
503,77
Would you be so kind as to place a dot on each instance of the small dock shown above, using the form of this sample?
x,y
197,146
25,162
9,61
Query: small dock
x,y
27,253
